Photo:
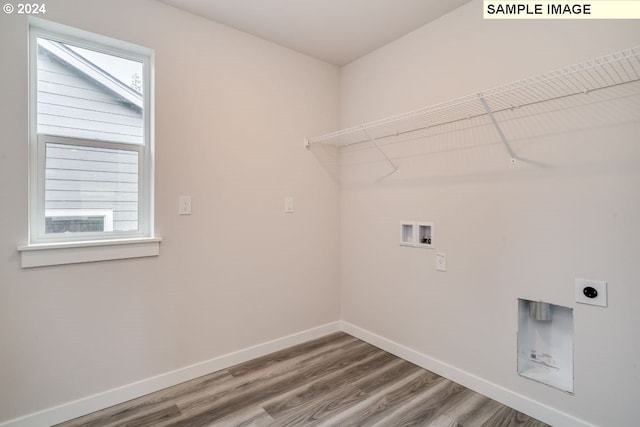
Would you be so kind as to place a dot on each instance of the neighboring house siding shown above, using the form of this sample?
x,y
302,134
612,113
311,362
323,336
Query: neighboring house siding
x,y
90,179
71,105
81,180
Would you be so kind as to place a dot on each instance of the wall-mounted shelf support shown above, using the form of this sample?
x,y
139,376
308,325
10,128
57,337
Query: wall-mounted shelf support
x,y
393,165
486,107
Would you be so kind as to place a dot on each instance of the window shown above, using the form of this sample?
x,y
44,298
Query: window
x,y
91,152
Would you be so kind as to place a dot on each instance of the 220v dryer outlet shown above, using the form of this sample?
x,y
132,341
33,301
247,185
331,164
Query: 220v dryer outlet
x,y
592,292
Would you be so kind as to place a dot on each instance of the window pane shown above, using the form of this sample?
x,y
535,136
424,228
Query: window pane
x,y
88,94
87,188
71,224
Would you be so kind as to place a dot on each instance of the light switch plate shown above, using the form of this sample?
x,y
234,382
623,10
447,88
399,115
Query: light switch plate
x,y
184,205
600,288
288,204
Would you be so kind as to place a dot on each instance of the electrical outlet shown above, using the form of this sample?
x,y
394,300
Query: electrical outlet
x,y
441,261
593,292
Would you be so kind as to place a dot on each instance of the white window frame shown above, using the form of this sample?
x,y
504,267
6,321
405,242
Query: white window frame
x,y
50,249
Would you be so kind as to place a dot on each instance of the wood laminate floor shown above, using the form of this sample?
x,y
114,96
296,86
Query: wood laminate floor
x,y
336,380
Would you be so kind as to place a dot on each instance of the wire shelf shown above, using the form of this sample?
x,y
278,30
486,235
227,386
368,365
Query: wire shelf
x,y
615,69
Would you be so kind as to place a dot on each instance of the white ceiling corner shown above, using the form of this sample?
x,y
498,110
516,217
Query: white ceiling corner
x,y
335,31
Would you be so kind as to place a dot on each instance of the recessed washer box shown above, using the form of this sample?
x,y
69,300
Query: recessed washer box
x,y
545,343
407,234
425,235
416,234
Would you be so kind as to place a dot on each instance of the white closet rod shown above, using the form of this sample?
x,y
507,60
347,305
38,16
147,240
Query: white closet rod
x,y
612,70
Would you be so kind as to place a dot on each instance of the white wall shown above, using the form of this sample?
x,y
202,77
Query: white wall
x,y
231,114
509,231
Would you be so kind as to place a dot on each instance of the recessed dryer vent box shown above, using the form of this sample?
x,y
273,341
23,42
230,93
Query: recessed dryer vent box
x,y
545,343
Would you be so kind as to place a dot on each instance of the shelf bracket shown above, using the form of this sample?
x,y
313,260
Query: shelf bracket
x,y
393,165
483,100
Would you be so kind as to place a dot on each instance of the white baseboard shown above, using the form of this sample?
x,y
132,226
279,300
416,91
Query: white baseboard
x,y
507,397
127,392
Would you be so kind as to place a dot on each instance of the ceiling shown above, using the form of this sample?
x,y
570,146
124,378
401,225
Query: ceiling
x,y
336,31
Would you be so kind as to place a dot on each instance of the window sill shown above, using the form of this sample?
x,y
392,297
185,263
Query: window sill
x,y
39,255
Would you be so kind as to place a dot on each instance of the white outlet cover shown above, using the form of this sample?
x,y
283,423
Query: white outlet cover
x,y
598,285
441,261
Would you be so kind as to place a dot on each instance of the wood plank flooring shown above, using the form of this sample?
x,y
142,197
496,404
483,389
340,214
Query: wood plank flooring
x,y
336,380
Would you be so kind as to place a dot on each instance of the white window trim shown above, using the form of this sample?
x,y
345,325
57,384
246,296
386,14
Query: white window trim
x,y
39,255
41,250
